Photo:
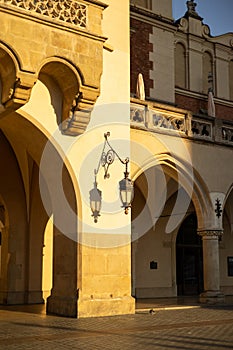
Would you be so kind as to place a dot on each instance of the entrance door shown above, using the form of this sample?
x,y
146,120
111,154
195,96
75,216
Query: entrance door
x,y
189,262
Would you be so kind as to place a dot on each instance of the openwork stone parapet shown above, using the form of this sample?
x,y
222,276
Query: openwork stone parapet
x,y
211,233
69,11
160,118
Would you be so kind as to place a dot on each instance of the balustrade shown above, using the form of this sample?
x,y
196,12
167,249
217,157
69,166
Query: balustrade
x,y
158,118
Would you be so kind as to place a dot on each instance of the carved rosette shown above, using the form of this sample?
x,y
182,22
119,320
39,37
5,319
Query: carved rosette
x,y
69,11
211,233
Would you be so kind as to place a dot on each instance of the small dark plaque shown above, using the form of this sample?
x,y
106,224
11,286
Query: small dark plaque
x,y
153,265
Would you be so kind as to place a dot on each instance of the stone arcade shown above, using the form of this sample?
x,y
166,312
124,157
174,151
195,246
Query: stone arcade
x,y
65,79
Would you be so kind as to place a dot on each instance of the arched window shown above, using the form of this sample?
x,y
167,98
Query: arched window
x,y
231,80
180,66
207,68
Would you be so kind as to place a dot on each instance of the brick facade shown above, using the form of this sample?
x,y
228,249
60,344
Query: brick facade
x,y
140,47
195,105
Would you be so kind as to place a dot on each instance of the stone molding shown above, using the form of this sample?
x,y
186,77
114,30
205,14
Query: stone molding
x,y
80,113
211,233
69,11
19,94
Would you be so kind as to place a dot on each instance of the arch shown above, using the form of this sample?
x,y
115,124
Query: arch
x,y
60,68
184,173
66,77
228,208
139,207
229,192
30,130
9,67
180,65
154,251
78,99
207,68
28,141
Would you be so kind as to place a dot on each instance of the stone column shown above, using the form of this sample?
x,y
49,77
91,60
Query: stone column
x,y
64,294
211,292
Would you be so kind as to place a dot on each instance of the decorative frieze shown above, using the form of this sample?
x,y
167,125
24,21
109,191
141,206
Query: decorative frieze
x,y
69,11
211,233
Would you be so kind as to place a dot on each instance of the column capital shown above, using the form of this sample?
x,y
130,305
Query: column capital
x,y
210,233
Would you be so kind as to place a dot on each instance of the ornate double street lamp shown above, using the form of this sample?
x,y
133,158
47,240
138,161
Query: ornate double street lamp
x,y
125,185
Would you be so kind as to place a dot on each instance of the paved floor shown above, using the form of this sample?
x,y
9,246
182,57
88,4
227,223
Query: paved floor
x,y
172,326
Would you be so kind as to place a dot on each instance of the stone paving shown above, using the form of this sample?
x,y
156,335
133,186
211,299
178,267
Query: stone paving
x,y
173,328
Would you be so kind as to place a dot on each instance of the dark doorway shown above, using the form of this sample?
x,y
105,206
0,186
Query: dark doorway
x,y
189,261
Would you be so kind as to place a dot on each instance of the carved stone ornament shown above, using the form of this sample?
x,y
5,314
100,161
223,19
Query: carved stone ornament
x,y
210,233
183,24
80,112
206,31
69,11
218,206
18,94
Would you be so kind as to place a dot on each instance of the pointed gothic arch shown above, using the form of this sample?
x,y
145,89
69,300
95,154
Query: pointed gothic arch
x,y
27,143
183,172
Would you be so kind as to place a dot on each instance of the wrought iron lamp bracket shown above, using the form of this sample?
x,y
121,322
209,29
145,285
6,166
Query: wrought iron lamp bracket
x,y
107,157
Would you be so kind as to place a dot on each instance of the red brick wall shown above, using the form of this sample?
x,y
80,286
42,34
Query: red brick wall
x,y
224,112
194,105
140,48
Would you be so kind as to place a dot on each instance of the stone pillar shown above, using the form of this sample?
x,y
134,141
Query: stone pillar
x,y
64,294
105,275
211,292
